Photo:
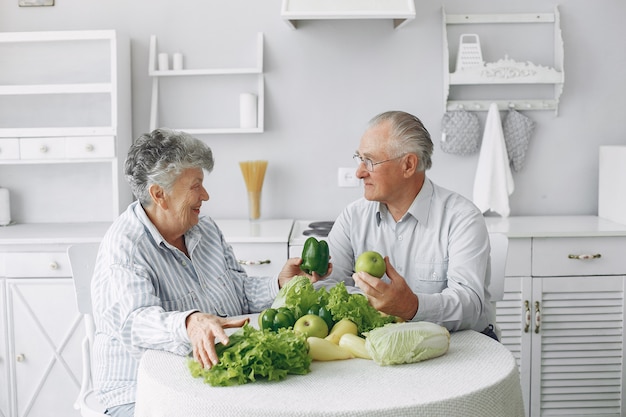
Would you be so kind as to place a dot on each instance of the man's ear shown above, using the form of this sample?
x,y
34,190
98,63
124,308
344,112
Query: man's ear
x,y
158,196
409,164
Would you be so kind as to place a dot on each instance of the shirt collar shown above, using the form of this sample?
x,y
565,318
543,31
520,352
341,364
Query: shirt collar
x,y
419,208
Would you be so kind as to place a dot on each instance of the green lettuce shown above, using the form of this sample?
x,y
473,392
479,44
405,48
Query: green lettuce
x,y
355,307
253,354
299,296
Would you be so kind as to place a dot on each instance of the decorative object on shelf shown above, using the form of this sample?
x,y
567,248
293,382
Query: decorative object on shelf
x,y
505,72
470,55
493,183
254,175
247,110
517,129
177,61
460,132
5,207
164,62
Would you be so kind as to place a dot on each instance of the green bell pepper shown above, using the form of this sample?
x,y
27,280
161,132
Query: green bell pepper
x,y
315,256
276,318
324,313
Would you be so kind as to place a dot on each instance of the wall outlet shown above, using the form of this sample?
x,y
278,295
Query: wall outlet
x,y
346,177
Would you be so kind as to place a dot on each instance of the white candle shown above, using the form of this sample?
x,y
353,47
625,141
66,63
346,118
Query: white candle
x,y
5,207
247,110
164,64
177,61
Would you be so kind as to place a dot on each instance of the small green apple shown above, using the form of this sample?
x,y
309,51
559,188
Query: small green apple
x,y
311,325
371,262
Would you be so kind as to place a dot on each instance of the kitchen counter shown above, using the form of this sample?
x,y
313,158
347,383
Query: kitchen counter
x,y
554,226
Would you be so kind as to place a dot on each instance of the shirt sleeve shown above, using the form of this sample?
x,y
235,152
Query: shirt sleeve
x,y
462,304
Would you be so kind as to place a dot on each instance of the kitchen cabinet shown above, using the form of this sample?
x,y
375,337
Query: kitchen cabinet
x,y
523,81
399,11
563,312
40,328
64,110
261,246
220,75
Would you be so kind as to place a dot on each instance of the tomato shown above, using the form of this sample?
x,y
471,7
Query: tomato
x,y
276,318
324,313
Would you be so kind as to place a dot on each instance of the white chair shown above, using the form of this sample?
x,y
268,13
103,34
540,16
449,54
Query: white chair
x,y
82,260
499,249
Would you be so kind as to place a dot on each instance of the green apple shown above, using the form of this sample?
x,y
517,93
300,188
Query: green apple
x,y
371,262
311,325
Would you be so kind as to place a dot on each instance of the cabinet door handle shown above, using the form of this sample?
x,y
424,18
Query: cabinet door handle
x,y
20,358
526,316
537,317
54,265
242,262
585,256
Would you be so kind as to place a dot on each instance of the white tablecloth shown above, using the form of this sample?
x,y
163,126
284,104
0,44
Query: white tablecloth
x,y
477,377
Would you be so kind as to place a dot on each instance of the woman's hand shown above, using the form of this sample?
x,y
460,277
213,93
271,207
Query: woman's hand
x,y
204,331
292,268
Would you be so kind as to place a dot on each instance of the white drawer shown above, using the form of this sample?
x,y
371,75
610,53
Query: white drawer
x,y
579,256
9,148
37,264
518,258
261,259
42,148
90,147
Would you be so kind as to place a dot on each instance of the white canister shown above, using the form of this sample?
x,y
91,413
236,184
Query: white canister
x,y
164,62
5,207
177,61
247,110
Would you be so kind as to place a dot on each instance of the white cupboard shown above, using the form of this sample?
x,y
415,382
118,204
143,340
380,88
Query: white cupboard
x,y
563,314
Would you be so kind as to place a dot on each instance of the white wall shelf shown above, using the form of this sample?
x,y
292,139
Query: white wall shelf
x,y
505,71
65,99
256,70
399,11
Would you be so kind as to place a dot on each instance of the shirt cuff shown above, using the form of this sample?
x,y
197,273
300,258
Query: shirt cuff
x,y
429,308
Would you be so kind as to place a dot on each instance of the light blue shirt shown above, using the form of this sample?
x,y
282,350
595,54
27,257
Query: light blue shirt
x,y
440,247
143,289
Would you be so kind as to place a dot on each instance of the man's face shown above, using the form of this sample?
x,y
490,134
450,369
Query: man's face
x,y
186,197
383,181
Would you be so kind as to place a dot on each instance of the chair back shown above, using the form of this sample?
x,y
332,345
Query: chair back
x,y
83,261
499,249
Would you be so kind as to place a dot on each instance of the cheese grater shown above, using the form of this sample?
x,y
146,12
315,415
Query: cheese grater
x,y
470,54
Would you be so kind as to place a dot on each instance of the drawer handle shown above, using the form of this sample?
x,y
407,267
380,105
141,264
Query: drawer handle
x,y
43,149
585,256
89,147
20,358
526,316
54,265
537,317
242,262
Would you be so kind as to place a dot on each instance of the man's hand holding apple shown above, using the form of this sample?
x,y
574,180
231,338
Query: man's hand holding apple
x,y
394,298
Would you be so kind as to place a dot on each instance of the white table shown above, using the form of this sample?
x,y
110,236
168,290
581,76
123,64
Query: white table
x,y
476,377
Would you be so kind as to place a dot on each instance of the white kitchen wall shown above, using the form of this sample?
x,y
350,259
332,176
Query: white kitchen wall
x,y
324,80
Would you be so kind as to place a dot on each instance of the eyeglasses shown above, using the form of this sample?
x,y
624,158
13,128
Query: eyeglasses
x,y
369,164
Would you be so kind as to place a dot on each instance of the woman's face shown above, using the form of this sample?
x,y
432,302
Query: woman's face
x,y
186,197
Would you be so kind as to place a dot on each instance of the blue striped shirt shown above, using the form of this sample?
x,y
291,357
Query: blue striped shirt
x,y
143,289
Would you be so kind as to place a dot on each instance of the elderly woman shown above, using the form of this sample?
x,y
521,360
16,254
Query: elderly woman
x,y
165,278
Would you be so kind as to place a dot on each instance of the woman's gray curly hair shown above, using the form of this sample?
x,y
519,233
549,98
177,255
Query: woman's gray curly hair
x,y
159,157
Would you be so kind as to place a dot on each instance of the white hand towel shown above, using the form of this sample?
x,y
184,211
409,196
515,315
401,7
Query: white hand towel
x,y
494,182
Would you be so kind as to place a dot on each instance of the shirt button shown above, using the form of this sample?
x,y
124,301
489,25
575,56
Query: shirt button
x,y
184,263
400,237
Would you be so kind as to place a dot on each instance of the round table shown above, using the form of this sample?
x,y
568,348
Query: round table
x,y
476,377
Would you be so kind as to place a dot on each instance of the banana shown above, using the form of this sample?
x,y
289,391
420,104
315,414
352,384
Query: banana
x,y
325,350
343,326
355,345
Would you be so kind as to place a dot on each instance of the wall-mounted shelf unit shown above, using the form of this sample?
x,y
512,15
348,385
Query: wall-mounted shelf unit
x,y
505,71
256,70
399,11
65,99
